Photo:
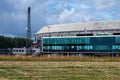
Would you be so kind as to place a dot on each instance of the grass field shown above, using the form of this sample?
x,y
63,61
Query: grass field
x,y
59,70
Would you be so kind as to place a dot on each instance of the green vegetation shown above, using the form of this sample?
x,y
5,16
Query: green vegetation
x,y
9,42
68,70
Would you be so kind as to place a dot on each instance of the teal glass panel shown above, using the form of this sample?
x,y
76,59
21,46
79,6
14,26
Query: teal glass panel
x,y
102,47
102,40
79,47
88,47
116,47
87,40
117,40
66,48
65,40
57,48
81,44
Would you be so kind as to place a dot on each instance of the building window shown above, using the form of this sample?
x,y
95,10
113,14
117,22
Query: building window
x,y
117,40
116,47
22,50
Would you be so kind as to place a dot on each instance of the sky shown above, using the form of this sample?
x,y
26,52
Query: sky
x,y
13,13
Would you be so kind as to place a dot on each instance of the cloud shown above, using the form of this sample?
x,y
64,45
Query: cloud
x,y
13,13
13,18
66,14
106,4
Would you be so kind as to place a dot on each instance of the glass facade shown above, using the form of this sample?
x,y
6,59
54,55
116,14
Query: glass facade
x,y
82,44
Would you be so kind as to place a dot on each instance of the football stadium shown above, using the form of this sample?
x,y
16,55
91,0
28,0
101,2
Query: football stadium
x,y
85,38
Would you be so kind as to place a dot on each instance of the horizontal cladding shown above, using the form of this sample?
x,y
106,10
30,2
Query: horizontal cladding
x,y
82,44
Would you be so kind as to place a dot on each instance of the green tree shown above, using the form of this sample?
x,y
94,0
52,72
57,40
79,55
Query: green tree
x,y
14,42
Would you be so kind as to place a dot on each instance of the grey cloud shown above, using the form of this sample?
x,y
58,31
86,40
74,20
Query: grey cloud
x,y
13,13
106,4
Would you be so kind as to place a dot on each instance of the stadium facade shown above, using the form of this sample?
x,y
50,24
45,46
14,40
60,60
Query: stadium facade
x,y
87,38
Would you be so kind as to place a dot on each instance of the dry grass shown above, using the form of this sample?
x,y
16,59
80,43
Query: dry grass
x,y
68,70
58,58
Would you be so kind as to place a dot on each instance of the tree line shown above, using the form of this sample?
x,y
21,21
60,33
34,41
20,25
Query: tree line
x,y
14,42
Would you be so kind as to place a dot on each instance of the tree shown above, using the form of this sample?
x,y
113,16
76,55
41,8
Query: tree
x,y
13,42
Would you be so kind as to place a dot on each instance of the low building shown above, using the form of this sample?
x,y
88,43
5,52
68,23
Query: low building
x,y
25,51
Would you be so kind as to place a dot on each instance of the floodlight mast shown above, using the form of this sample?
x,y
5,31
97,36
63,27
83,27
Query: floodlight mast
x,y
28,28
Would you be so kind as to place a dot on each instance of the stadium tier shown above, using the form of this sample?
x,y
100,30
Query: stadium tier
x,y
85,38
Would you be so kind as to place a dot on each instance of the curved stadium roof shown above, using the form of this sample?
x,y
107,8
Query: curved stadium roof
x,y
105,25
